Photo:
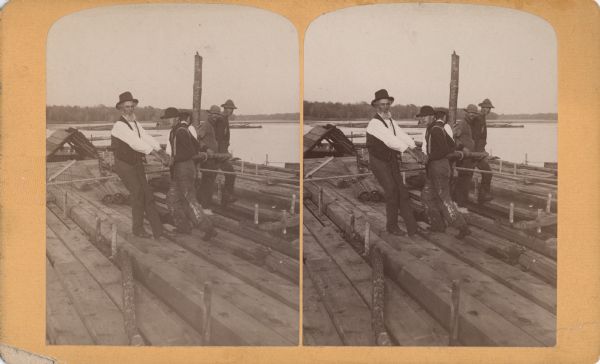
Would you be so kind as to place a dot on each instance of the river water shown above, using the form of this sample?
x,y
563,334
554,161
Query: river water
x,y
537,140
279,140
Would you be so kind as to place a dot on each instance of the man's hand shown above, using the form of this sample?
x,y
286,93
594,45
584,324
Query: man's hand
x,y
201,156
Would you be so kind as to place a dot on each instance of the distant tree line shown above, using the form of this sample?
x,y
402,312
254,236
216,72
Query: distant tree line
x,y
87,114
361,111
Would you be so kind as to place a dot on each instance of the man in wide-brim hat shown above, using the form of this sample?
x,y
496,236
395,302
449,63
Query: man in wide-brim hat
x,y
464,142
130,143
479,130
223,135
385,141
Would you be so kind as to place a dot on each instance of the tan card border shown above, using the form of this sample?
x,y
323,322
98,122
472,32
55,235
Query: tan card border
x,y
25,25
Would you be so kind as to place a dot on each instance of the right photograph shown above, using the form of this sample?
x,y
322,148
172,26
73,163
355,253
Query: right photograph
x,y
430,177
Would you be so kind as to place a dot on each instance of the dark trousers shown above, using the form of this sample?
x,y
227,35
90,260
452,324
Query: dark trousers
x,y
462,184
397,199
436,196
141,197
229,178
182,200
486,178
207,183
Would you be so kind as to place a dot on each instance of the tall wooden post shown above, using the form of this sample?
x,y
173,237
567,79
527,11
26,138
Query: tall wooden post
x,y
453,89
197,89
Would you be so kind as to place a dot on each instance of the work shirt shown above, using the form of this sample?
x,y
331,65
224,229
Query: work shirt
x,y
463,136
138,139
392,135
448,130
439,143
192,131
206,137
222,133
183,143
479,130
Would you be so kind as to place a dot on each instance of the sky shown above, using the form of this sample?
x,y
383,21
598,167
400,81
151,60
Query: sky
x,y
505,55
249,55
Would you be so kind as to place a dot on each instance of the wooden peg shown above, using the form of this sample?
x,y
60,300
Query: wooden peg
x,y
511,213
284,221
455,313
293,205
367,238
539,216
255,214
500,166
549,202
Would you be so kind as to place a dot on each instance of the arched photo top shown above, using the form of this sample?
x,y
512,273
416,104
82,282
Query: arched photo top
x,y
508,55
249,55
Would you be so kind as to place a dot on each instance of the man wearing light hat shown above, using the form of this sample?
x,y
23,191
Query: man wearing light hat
x,y
222,134
130,143
479,130
384,141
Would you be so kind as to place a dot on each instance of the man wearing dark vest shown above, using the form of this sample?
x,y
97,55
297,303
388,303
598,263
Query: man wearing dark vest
x,y
208,144
479,129
130,143
463,138
222,134
436,192
184,149
384,141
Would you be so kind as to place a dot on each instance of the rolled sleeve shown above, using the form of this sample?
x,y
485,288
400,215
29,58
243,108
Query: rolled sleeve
x,y
399,142
149,139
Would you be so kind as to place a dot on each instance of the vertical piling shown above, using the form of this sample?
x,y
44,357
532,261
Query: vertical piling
x,y
206,319
500,168
454,313
284,221
293,205
378,300
511,213
539,216
454,71
131,329
367,238
549,202
197,92
255,214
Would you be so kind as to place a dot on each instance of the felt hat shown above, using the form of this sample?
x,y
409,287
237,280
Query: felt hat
x,y
425,111
380,95
472,109
486,103
126,96
214,110
170,112
228,105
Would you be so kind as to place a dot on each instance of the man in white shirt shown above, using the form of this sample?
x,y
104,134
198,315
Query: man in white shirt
x,y
384,141
130,143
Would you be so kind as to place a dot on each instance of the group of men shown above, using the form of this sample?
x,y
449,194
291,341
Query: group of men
x,y
192,147
444,146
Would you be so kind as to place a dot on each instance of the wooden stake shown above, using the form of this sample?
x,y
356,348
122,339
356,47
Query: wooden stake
x,y
500,168
549,202
320,200
539,215
284,221
65,207
197,92
255,214
378,300
131,329
454,71
206,319
293,205
113,240
367,238
454,313
511,213
98,231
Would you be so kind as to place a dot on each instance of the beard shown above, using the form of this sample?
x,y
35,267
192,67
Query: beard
x,y
386,114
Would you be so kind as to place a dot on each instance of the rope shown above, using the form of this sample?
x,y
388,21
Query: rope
x,y
355,175
507,174
261,176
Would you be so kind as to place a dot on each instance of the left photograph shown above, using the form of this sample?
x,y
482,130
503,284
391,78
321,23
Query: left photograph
x,y
172,177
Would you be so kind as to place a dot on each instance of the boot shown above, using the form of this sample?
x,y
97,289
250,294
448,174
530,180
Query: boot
x,y
484,195
463,232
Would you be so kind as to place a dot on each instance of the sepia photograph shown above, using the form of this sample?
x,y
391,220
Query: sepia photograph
x,y
430,177
172,177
